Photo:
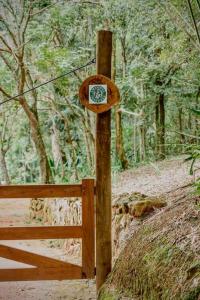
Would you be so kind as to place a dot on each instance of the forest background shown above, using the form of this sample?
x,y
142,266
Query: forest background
x,y
46,135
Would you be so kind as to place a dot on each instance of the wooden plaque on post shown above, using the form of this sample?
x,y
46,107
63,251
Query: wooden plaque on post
x,y
98,93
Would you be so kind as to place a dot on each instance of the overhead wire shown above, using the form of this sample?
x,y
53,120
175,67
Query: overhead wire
x,y
49,81
194,21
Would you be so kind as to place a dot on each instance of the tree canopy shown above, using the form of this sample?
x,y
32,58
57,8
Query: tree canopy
x,y
46,135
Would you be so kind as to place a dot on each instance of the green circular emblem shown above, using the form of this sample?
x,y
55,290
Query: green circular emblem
x,y
98,94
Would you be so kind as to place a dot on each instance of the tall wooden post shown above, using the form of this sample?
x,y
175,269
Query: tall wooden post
x,y
103,168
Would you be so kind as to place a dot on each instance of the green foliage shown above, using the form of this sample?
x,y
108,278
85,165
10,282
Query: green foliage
x,y
193,294
154,56
195,111
194,154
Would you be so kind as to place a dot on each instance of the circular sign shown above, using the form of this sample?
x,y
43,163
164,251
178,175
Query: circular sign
x,y
98,93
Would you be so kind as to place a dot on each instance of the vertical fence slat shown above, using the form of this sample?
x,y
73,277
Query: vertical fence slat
x,y
88,256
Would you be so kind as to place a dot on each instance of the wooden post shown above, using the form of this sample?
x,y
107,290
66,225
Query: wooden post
x,y
103,168
88,257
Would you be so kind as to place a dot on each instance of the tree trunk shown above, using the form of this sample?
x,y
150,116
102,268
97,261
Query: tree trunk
x,y
3,166
135,139
142,143
160,127
45,171
72,153
157,129
189,139
56,150
90,139
197,117
180,120
118,116
119,139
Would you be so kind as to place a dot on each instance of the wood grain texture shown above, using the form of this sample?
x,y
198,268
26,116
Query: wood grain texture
x,y
103,168
74,272
88,251
40,191
40,232
31,258
113,96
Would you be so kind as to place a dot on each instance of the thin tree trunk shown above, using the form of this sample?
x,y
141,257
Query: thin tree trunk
x,y
135,140
119,139
143,143
182,137
3,166
162,126
118,116
89,132
157,129
56,150
197,119
189,140
73,150
45,171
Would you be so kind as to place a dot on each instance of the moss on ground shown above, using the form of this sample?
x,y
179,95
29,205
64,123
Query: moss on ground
x,y
105,295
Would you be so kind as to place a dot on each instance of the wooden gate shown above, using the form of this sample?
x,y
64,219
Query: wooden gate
x,y
45,268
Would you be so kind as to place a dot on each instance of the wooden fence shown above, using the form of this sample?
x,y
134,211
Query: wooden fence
x,y
45,268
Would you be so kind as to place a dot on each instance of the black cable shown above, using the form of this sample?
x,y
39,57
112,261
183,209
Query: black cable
x,y
50,80
194,21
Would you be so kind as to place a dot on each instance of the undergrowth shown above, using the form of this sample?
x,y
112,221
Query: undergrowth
x,y
160,261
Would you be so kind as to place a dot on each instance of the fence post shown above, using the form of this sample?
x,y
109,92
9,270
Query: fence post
x,y
88,251
103,168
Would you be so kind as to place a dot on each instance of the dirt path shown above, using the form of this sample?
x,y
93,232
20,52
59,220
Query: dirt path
x,y
153,179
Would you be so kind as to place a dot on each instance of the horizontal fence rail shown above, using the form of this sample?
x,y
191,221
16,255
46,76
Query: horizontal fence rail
x,y
45,268
31,274
40,191
41,232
